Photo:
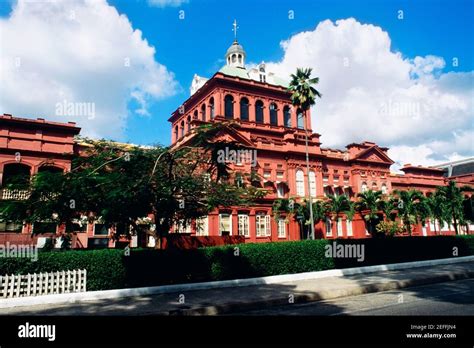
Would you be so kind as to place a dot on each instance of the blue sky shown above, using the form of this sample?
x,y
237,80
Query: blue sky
x,y
197,43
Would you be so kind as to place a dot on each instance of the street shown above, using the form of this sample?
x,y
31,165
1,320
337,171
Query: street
x,y
449,298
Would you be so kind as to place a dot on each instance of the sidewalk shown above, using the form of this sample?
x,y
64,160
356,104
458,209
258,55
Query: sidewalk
x,y
228,300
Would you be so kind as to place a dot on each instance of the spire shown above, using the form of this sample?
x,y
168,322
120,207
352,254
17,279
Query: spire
x,y
235,55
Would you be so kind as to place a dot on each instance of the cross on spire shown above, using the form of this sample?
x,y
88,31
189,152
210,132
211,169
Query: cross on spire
x,y
235,29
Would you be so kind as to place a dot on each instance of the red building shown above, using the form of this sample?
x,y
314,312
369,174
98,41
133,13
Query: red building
x,y
258,100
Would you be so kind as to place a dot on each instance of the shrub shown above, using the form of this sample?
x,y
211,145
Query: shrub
x,y
111,269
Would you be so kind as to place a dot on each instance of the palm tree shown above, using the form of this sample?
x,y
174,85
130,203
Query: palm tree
x,y
303,95
336,205
438,211
452,197
411,207
368,205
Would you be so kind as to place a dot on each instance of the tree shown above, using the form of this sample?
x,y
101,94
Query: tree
x,y
411,208
121,184
337,205
368,205
303,95
451,196
438,209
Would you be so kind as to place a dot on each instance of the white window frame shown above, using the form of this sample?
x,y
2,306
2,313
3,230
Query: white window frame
x,y
328,225
349,228
244,225
202,226
230,223
312,183
300,191
339,227
280,190
384,189
281,228
363,187
263,228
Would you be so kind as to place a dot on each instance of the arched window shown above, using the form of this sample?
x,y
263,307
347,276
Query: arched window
x,y
384,189
363,187
259,111
229,106
312,184
176,132
211,107
273,114
203,112
240,59
287,116
195,116
188,124
374,186
16,174
244,109
50,169
233,58
300,123
182,128
299,182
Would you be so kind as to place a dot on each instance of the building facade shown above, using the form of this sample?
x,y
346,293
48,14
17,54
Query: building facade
x,y
259,102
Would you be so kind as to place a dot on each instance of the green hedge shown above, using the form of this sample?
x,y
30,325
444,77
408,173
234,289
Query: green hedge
x,y
111,269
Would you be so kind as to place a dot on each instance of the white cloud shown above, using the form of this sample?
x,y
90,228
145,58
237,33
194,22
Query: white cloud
x,y
166,3
372,93
77,51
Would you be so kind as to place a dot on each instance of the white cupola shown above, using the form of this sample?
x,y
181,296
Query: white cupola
x,y
235,55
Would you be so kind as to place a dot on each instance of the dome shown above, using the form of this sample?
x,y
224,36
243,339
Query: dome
x,y
235,55
235,48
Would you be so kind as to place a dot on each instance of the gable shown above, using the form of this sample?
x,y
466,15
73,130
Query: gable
x,y
373,154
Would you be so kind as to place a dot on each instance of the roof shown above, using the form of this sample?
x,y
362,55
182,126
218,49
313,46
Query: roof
x,y
236,72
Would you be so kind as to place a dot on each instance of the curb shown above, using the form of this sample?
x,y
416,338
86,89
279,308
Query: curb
x,y
317,296
164,289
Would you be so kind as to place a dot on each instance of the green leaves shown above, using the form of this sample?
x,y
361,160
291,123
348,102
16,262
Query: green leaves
x,y
303,94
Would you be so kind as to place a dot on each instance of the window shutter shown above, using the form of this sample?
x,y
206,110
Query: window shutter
x,y
267,225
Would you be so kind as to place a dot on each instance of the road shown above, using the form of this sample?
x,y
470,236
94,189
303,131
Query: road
x,y
450,298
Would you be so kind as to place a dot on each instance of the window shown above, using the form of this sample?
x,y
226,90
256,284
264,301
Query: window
x,y
176,132
299,182
211,107
287,116
281,190
240,58
202,226
363,187
384,189
229,106
300,119
10,226
16,173
239,181
182,128
280,175
349,227
374,186
273,114
259,111
339,227
188,124
244,109
244,225
263,225
267,174
328,227
182,226
101,230
312,184
203,112
281,228
233,58
225,224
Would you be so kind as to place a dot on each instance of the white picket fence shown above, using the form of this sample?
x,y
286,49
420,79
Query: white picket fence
x,y
43,283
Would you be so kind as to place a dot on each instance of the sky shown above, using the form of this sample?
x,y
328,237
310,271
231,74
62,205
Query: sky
x,y
400,73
